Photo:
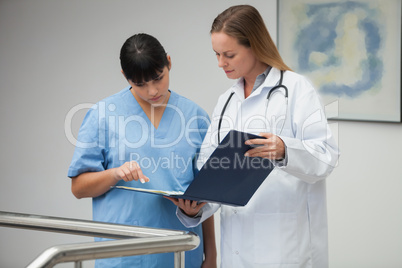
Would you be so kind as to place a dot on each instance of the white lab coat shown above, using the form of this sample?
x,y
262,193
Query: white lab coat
x,y
285,222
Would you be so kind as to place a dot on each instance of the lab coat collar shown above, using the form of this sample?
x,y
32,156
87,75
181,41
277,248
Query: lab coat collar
x,y
238,88
270,81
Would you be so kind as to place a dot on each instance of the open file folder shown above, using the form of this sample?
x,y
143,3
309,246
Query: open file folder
x,y
227,177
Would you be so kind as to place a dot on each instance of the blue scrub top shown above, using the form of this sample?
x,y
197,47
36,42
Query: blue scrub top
x,y
116,130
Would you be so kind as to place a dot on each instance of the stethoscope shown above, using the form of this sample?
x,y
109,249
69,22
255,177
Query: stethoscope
x,y
278,86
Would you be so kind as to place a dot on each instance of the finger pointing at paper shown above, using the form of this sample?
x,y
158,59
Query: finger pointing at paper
x,y
130,171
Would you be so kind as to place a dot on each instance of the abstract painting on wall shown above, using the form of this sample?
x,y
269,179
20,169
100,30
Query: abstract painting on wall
x,y
350,51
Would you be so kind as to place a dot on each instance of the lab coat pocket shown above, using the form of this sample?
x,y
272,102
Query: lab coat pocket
x,y
275,238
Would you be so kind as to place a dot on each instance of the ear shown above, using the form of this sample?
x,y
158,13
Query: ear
x,y
124,74
170,62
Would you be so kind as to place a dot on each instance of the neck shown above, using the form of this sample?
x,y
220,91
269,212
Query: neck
x,y
249,80
152,111
248,88
145,105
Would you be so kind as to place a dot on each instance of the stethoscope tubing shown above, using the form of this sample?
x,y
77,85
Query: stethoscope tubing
x,y
278,86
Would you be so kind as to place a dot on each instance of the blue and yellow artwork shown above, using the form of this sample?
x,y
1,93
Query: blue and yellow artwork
x,y
350,50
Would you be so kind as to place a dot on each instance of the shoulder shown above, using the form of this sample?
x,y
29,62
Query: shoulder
x,y
186,104
224,97
108,104
296,78
298,83
226,94
229,92
301,90
117,97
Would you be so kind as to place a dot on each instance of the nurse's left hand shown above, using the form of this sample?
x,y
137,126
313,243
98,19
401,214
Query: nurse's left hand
x,y
272,147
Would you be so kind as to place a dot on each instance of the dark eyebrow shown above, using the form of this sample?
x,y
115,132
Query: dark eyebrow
x,y
139,84
161,74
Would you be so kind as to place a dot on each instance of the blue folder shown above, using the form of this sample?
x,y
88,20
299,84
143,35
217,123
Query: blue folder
x,y
227,177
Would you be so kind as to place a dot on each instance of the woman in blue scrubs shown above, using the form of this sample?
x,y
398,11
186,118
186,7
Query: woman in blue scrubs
x,y
143,136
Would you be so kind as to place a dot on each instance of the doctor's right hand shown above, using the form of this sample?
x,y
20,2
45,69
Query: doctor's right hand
x,y
130,171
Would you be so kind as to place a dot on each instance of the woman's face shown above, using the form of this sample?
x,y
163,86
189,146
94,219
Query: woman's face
x,y
154,92
235,59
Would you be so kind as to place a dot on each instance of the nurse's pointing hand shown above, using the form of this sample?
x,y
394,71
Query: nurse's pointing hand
x,y
130,171
272,147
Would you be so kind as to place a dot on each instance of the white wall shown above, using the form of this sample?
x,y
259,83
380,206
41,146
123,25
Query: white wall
x,y
55,55
364,197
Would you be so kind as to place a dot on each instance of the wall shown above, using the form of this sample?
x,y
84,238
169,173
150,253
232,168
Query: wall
x,y
58,55
364,197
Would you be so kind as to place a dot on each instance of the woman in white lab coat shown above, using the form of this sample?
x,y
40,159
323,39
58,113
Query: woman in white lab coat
x,y
285,222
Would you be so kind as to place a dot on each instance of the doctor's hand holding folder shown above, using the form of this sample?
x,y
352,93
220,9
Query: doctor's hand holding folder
x,y
228,177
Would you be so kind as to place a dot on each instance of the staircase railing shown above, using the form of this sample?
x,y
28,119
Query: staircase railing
x,y
131,240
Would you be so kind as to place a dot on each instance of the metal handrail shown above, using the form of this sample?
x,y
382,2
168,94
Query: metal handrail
x,y
116,248
133,240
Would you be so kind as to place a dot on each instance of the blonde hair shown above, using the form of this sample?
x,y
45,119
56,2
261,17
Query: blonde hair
x,y
245,23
